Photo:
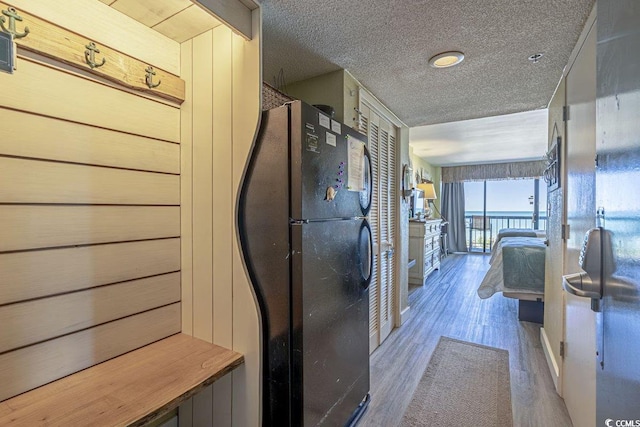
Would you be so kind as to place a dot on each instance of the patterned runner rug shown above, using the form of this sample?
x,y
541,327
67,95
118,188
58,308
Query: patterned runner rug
x,y
465,384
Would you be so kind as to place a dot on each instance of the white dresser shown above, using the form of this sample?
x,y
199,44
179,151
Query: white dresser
x,y
424,247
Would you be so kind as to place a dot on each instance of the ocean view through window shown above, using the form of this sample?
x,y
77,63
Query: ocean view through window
x,y
493,205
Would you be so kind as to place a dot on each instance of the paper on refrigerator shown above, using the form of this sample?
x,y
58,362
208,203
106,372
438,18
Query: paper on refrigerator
x,y
355,164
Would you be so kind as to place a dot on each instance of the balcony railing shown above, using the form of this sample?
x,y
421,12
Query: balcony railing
x,y
476,241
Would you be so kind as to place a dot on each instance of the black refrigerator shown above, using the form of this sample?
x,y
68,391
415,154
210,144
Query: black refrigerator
x,y
307,247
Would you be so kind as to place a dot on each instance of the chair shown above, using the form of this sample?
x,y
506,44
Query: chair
x,y
479,222
444,241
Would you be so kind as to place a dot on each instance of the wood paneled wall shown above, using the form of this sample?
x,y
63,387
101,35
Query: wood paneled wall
x,y
219,120
89,209
109,27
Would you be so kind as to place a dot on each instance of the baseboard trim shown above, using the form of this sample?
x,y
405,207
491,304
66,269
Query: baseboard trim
x,y
554,369
404,315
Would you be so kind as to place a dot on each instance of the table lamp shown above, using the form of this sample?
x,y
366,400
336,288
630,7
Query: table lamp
x,y
429,195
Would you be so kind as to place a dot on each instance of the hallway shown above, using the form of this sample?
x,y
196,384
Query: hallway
x,y
448,305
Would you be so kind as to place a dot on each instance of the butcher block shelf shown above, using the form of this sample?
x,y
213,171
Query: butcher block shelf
x,y
132,389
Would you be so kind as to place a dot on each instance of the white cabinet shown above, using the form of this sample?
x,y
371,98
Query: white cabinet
x,y
424,247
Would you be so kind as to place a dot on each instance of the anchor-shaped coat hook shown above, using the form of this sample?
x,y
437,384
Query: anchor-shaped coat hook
x,y
13,17
149,78
90,56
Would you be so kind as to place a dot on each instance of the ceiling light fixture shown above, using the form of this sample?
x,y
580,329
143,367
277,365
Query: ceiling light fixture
x,y
536,57
446,59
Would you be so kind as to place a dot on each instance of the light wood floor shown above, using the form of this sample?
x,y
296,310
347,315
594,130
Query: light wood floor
x,y
448,305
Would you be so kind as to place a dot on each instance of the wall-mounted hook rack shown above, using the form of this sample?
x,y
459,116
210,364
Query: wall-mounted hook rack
x,y
60,44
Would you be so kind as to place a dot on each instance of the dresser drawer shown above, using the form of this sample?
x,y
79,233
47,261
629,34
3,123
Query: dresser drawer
x,y
429,245
432,228
428,263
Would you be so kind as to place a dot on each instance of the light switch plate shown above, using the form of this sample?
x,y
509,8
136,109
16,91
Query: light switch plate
x,y
6,52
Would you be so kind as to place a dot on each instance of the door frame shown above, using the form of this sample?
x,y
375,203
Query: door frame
x,y
575,387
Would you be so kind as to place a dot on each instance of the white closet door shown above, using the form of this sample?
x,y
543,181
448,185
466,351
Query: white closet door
x,y
390,223
381,143
386,244
370,125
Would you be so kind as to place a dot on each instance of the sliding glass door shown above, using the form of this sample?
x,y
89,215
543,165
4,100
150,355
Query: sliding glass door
x,y
493,205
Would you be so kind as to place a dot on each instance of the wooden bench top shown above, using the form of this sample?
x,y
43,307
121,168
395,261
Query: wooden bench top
x,y
131,389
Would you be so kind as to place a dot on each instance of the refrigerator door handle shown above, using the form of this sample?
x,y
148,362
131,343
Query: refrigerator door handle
x,y
370,248
367,194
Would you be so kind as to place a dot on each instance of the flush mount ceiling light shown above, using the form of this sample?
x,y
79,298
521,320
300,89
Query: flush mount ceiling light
x,y
536,57
446,59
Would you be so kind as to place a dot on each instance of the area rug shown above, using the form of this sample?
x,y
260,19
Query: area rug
x,y
465,384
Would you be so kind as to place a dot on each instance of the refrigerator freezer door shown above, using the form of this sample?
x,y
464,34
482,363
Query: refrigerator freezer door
x,y
618,157
319,161
330,299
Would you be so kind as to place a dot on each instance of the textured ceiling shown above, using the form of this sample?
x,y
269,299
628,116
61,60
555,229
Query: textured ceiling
x,y
386,45
517,136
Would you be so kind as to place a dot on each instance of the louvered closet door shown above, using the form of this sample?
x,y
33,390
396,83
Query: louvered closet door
x,y
387,227
381,138
369,125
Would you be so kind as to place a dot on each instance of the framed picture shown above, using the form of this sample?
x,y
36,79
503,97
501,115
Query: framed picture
x,y
552,171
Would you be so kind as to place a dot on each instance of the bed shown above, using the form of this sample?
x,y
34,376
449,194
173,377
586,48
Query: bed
x,y
517,268
518,232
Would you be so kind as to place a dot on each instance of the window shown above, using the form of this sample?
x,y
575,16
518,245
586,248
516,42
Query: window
x,y
515,203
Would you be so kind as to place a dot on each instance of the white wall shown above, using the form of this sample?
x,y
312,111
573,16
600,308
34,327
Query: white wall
x,y
219,120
